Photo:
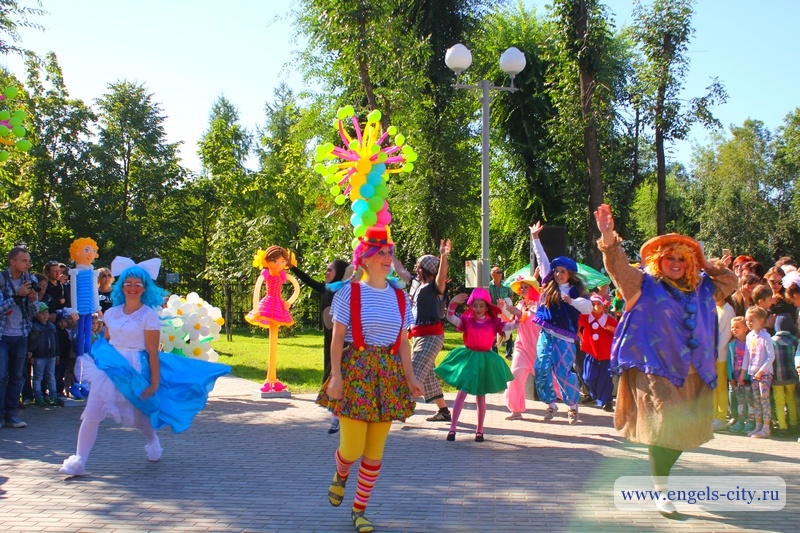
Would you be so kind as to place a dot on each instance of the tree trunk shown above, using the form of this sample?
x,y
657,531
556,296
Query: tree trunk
x,y
226,290
661,167
588,82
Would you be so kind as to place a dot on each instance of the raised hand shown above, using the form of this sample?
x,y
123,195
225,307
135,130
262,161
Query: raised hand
x,y
536,229
444,247
604,218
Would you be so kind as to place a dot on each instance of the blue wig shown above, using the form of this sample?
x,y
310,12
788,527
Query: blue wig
x,y
153,295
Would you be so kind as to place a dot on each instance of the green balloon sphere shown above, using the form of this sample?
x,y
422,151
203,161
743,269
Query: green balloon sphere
x,y
381,191
339,200
400,139
15,121
23,145
21,114
341,114
392,130
319,168
4,131
353,144
375,203
375,148
369,218
374,116
335,190
11,92
5,115
360,230
408,167
354,242
382,157
3,155
18,131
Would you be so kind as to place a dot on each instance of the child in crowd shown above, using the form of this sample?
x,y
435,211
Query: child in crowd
x,y
758,359
744,417
65,352
762,297
475,368
43,348
785,381
597,330
725,314
524,357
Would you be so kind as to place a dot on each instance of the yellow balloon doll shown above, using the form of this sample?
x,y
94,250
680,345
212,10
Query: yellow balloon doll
x,y
272,311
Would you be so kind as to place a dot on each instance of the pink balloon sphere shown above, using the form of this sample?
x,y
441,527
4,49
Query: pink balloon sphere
x,y
384,217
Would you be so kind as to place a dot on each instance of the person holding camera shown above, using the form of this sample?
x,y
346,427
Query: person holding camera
x,y
18,303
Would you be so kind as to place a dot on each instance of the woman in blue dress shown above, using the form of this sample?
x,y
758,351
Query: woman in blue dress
x,y
131,381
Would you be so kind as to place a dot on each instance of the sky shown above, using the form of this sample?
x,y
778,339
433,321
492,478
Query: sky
x,y
189,52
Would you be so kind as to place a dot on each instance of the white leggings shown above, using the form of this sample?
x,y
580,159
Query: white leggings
x,y
87,434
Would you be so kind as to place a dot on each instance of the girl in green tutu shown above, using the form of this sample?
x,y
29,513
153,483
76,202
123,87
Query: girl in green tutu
x,y
474,368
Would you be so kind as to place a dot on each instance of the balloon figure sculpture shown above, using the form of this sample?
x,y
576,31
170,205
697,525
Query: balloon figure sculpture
x,y
364,168
85,301
188,325
272,311
12,132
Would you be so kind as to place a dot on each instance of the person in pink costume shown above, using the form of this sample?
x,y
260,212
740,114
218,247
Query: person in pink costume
x,y
474,368
272,311
525,345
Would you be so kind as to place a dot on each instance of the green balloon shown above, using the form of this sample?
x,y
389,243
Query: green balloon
x,y
381,191
375,148
374,116
411,157
408,167
11,92
339,200
360,230
319,168
392,130
382,157
21,114
369,218
15,121
3,155
18,131
354,242
353,144
400,139
375,203
329,179
23,145
349,111
5,115
4,131
335,190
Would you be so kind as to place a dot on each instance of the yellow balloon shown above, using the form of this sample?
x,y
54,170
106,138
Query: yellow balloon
x,y
364,166
354,194
357,179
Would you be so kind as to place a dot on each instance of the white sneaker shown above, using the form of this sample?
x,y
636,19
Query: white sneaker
x,y
666,507
154,451
719,425
73,465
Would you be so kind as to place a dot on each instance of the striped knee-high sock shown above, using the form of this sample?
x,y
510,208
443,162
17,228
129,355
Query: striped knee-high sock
x,y
342,466
367,474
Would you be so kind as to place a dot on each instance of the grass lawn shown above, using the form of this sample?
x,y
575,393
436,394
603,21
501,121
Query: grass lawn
x,y
299,357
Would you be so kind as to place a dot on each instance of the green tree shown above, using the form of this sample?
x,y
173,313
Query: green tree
x,y
14,15
138,170
663,32
228,191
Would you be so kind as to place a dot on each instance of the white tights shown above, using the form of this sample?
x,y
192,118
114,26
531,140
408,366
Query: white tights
x,y
87,434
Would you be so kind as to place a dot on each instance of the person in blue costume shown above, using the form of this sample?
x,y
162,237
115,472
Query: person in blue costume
x,y
563,300
131,381
664,348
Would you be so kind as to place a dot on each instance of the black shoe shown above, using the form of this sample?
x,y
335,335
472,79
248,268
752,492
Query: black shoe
x,y
478,437
440,417
451,436
609,407
510,357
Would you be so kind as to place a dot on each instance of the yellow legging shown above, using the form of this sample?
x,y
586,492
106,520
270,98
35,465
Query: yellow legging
x,y
784,397
721,392
357,438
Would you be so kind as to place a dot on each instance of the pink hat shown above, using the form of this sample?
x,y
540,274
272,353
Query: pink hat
x,y
480,293
598,298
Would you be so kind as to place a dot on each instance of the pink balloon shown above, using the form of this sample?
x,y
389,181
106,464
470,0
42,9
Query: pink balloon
x,y
384,217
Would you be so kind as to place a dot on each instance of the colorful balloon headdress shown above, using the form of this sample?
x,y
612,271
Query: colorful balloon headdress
x,y
360,169
12,132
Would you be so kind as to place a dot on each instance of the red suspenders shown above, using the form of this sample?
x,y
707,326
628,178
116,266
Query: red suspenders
x,y
355,316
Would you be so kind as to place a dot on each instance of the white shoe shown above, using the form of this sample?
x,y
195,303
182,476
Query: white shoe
x,y
550,413
665,507
73,465
154,451
719,425
572,416
515,416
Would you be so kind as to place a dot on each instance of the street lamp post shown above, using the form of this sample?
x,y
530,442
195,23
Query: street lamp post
x,y
458,58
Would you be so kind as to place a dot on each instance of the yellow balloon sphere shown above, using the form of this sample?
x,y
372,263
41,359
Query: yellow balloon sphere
x,y
363,166
358,179
354,195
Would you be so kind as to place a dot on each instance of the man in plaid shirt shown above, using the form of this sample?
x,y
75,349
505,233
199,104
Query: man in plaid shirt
x,y
18,304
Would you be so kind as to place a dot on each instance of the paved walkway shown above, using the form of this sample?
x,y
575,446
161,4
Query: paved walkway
x,y
254,465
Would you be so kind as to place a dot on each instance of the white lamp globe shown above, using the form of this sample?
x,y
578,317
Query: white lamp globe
x,y
458,58
512,61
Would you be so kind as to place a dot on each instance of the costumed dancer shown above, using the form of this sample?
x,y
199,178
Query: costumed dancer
x,y
85,300
664,398
597,331
371,382
272,311
131,381
334,273
525,346
562,302
427,332
475,368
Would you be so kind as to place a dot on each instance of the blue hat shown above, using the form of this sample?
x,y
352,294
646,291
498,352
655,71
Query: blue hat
x,y
61,315
565,262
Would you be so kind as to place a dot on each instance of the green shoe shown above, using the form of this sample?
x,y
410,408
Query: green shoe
x,y
360,521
